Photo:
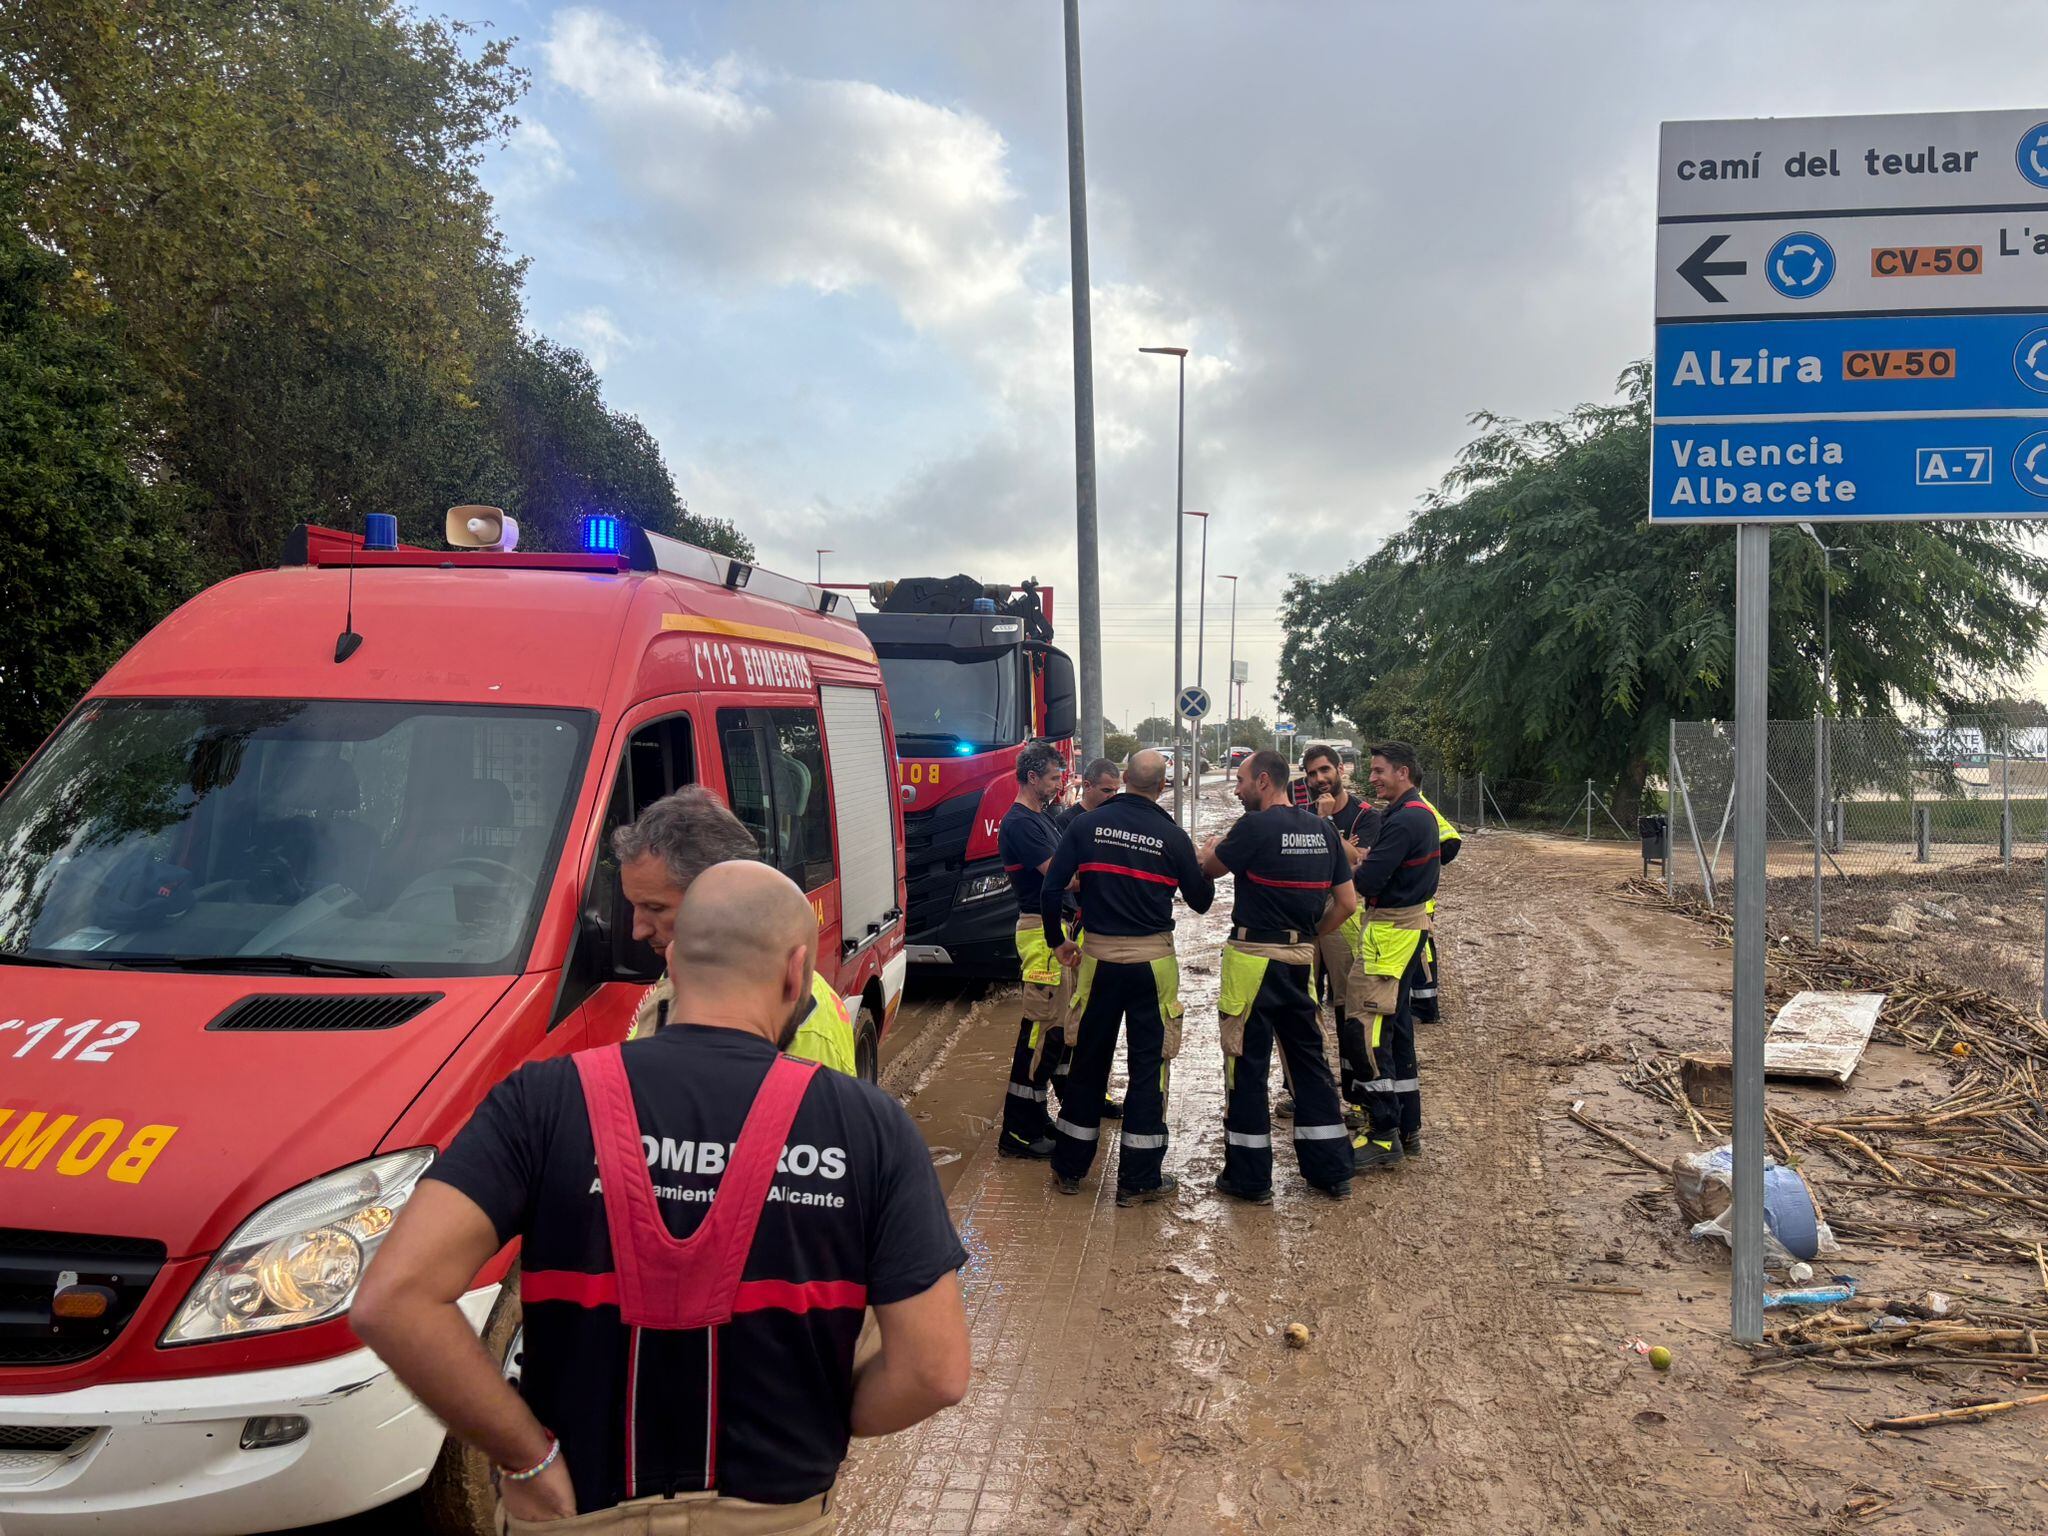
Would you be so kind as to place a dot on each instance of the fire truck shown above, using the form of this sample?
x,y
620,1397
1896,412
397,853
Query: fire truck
x,y
973,677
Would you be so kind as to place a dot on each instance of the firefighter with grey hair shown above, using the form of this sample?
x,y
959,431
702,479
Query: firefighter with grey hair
x,y
669,845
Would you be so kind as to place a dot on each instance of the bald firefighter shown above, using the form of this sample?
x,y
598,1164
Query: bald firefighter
x,y
673,842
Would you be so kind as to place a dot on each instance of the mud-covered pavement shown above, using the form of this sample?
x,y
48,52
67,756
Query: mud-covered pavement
x,y
1130,1373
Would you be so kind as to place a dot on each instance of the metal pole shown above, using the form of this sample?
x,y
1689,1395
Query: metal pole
x,y
1482,802
1752,663
1230,685
1818,806
1180,461
2005,798
1090,582
1202,601
1589,810
1670,804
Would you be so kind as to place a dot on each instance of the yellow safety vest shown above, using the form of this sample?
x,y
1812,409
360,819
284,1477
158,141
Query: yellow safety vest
x,y
825,1036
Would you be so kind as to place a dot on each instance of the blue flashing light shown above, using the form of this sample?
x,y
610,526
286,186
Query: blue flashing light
x,y
963,749
380,531
603,534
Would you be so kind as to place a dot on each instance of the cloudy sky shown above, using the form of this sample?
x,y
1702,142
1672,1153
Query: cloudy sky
x,y
820,248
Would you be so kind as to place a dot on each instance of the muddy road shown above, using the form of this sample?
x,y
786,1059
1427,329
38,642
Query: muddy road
x,y
1130,1370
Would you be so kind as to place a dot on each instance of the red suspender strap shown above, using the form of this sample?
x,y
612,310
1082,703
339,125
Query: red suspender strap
x,y
663,1281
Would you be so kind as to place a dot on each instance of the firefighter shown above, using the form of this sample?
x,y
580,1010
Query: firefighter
x,y
1130,857
1396,882
671,843
1357,822
1026,842
690,1361
1427,993
1292,882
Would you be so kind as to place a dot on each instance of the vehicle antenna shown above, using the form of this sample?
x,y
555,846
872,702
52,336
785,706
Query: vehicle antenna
x,y
348,640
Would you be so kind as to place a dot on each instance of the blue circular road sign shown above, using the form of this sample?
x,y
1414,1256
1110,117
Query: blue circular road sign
x,y
2030,359
1193,703
1800,265
2030,464
2032,154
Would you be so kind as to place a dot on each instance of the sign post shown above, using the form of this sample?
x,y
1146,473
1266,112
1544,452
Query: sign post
x,y
1852,325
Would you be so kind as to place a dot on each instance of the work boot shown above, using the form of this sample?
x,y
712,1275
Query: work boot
x,y
1341,1190
1012,1145
1249,1196
1065,1185
1112,1109
1354,1118
1167,1187
1283,1107
1368,1153
1411,1143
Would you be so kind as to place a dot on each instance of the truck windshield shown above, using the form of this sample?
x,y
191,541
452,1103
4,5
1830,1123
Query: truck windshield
x,y
968,700
322,836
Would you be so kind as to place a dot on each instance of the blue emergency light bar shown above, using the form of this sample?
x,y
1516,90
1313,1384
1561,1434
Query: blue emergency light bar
x,y
603,534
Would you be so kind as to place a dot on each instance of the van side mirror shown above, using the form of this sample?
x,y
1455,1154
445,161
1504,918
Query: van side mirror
x,y
1060,701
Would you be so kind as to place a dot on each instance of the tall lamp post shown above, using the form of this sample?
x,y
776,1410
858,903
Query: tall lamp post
x,y
821,565
1201,617
1230,702
1087,579
1180,443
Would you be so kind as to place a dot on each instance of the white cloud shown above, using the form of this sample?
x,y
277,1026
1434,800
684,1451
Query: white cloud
x,y
533,162
596,335
833,184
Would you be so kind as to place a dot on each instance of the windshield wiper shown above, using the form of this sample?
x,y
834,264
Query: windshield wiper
x,y
9,957
281,965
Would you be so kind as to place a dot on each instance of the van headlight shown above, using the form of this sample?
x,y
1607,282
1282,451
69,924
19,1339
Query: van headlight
x,y
300,1258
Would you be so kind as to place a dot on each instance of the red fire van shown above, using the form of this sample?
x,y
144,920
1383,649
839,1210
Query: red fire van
x,y
271,924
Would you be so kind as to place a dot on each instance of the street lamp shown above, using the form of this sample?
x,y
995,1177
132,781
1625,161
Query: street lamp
x,y
821,565
1180,354
1230,702
1201,617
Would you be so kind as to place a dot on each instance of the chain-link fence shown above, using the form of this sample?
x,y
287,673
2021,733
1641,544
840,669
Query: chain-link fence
x,y
1530,805
1927,836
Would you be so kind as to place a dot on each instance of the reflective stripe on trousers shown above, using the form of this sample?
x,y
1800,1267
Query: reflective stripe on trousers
x,y
1282,1014
1127,998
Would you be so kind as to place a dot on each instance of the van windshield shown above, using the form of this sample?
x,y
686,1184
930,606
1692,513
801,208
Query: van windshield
x,y
328,836
970,700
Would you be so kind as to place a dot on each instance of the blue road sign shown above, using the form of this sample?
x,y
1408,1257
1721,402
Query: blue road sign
x,y
1852,319
1193,702
1800,265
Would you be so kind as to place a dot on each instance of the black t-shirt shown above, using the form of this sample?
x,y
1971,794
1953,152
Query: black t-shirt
x,y
1131,858
1286,861
1026,840
758,1407
1356,820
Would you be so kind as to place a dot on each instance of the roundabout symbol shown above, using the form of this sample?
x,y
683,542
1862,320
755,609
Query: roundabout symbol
x,y
1800,265
2032,154
2030,464
2030,359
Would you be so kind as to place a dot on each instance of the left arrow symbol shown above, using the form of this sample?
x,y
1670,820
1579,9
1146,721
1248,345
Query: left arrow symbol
x,y
1697,268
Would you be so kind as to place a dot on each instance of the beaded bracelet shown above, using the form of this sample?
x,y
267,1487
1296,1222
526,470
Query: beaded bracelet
x,y
554,1450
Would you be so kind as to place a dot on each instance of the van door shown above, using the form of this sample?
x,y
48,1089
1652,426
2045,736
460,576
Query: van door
x,y
777,784
608,969
863,811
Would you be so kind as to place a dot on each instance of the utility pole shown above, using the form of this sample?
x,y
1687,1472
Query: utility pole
x,y
1230,683
1090,581
1180,460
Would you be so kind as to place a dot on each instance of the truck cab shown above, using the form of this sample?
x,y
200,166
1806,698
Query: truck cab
x,y
322,859
973,677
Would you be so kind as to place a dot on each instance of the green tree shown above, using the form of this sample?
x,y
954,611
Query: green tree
x,y
1117,746
1155,728
1551,632
90,555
